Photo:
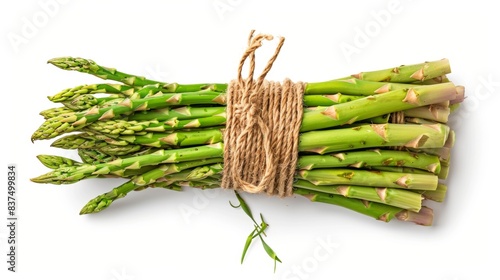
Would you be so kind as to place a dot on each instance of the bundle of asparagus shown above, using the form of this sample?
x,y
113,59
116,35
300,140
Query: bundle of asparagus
x,y
374,142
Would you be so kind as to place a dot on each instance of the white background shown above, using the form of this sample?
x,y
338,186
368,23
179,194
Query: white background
x,y
146,236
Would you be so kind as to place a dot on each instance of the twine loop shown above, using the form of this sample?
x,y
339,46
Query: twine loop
x,y
262,128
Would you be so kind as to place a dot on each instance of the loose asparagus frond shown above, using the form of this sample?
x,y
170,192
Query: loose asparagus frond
x,y
259,230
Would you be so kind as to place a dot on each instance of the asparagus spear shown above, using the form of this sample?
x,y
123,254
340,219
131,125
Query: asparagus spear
x,y
179,113
408,73
71,93
353,86
437,195
103,201
370,158
54,162
69,175
124,127
176,138
81,102
71,122
87,140
376,105
368,178
93,156
374,135
90,67
378,211
97,156
396,197
402,74
433,112
54,112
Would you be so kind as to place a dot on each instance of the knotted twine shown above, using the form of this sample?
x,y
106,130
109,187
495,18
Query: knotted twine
x,y
262,128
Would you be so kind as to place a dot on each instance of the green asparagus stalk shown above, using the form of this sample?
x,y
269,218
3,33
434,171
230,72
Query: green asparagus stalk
x,y
375,135
117,167
444,153
87,140
396,197
81,102
401,169
408,73
432,113
402,74
375,210
328,99
97,156
176,138
194,174
54,162
207,183
123,127
179,113
353,86
121,150
445,170
437,195
71,122
90,67
103,201
371,158
94,156
368,178
433,81
54,112
71,93
376,105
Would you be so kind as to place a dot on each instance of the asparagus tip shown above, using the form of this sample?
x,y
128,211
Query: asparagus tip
x,y
47,160
99,203
87,209
73,63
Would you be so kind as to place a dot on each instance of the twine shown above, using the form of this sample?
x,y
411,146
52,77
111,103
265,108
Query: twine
x,y
398,118
262,128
